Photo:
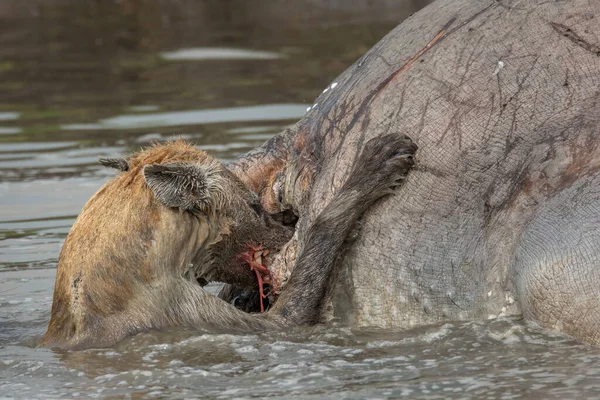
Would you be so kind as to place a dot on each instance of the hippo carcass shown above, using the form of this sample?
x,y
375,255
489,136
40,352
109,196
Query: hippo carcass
x,y
500,214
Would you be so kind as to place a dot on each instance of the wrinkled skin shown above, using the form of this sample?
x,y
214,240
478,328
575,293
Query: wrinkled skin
x,y
500,215
132,260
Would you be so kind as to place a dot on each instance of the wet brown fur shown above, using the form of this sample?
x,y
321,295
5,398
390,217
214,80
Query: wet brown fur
x,y
125,240
123,267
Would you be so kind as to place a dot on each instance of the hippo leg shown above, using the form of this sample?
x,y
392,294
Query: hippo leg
x,y
558,264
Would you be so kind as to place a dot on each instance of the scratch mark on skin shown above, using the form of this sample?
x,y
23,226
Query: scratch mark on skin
x,y
452,126
470,60
421,126
575,38
436,39
440,35
453,302
444,32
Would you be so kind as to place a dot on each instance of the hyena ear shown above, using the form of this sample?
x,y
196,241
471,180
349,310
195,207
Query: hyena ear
x,y
188,187
116,163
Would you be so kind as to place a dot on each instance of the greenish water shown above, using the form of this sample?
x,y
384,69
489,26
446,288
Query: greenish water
x,y
86,79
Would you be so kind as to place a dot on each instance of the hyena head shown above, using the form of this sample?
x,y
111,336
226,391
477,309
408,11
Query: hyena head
x,y
173,212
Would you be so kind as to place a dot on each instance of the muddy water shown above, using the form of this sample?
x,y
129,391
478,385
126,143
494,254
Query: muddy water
x,y
86,79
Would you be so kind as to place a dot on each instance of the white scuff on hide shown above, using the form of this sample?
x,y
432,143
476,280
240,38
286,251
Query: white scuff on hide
x,y
499,66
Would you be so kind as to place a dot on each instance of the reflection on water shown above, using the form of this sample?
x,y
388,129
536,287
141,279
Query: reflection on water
x,y
214,53
83,79
9,116
269,112
9,131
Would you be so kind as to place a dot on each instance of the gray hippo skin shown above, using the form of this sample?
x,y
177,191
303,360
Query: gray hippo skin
x,y
500,214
